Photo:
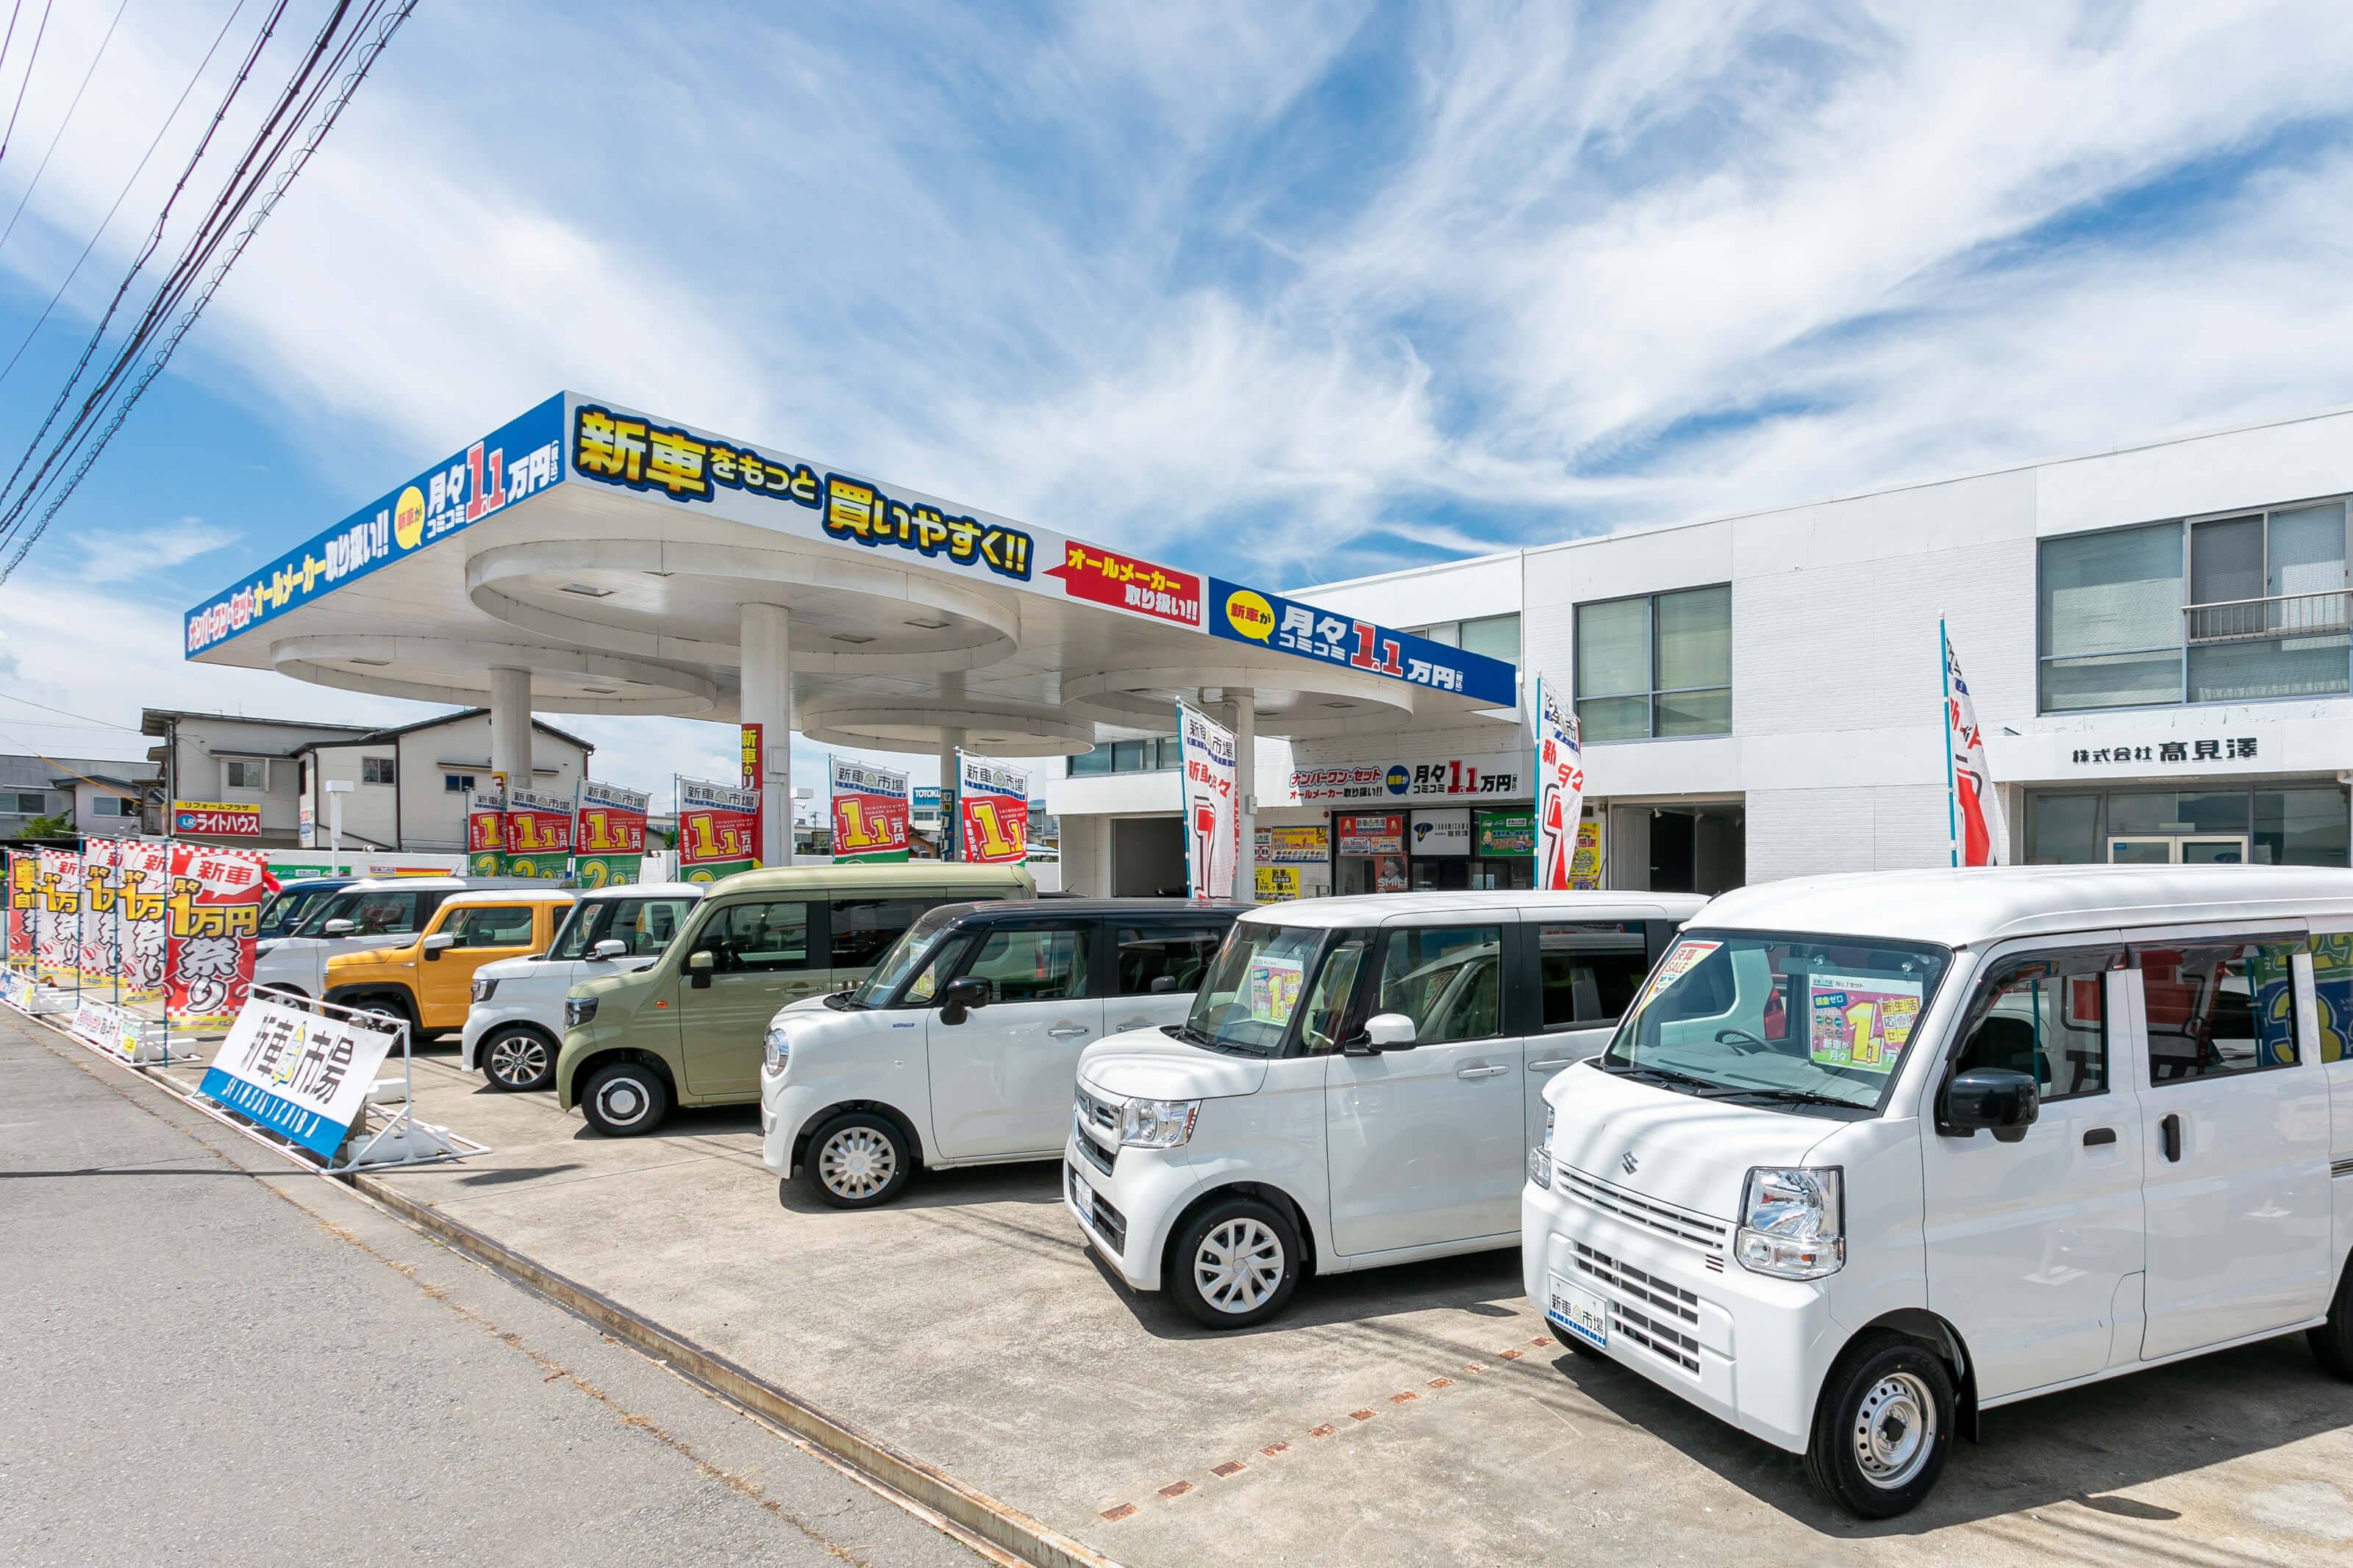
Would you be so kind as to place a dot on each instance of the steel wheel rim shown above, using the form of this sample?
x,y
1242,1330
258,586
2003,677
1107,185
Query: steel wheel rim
x,y
518,1059
1894,1430
857,1162
1239,1265
623,1102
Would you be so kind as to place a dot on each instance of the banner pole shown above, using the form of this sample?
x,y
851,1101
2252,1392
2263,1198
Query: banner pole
x,y
1952,786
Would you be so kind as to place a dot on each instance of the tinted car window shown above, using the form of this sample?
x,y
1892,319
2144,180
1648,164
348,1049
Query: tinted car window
x,y
1047,965
490,925
1180,954
1446,979
1588,977
384,912
747,937
2218,1009
863,930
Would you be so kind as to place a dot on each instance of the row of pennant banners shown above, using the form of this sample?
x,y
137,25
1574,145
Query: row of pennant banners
x,y
597,838
146,920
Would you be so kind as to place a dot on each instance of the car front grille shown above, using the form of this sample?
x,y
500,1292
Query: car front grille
x,y
1668,1343
1677,1223
1629,1280
1100,1157
1108,1222
1103,1115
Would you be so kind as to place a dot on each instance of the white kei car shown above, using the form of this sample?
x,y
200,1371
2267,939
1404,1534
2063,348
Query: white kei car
x,y
516,1026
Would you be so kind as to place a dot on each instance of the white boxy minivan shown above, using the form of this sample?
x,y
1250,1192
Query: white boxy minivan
x,y
1872,1153
1356,1083
516,1026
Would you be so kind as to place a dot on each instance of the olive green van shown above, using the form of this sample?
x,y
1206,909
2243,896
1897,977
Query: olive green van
x,y
687,1029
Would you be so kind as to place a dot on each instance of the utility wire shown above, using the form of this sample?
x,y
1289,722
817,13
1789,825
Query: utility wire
x,y
15,11
30,61
95,722
60,135
106,221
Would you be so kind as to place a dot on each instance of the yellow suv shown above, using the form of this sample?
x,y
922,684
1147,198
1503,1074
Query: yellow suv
x,y
429,979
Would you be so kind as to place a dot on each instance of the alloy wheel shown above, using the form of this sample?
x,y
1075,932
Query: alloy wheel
x,y
1239,1265
519,1060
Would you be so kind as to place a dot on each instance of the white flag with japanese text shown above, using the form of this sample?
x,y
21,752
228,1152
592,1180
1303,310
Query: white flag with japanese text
x,y
1213,822
1981,834
1560,788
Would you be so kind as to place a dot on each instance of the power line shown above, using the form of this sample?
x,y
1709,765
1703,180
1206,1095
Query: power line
x,y
96,722
178,104
30,61
60,135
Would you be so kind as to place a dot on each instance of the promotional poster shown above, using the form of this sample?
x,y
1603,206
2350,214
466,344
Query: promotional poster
x,y
1560,789
869,812
24,904
144,886
1213,839
486,832
993,804
213,914
717,830
95,959
299,1074
538,834
1981,832
59,953
608,835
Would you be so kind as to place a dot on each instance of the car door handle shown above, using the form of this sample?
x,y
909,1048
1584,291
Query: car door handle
x,y
2096,1136
1480,1071
1550,1064
2169,1134
1065,1031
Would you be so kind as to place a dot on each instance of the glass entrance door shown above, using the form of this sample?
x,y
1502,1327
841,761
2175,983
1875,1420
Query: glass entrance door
x,y
2200,849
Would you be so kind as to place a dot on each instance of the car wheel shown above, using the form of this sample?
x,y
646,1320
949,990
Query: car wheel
x,y
857,1160
386,1013
625,1099
1237,1264
1881,1427
284,996
519,1060
2332,1341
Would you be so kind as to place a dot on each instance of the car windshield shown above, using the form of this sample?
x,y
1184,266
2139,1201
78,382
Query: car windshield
x,y
646,924
906,956
1782,1018
1255,987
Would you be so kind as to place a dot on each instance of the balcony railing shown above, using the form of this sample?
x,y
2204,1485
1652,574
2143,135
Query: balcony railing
x,y
2284,615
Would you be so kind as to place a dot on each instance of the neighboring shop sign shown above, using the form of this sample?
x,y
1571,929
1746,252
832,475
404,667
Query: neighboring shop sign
x,y
216,819
1585,868
869,812
1305,845
1500,834
608,835
538,834
1440,831
1277,884
296,1073
1107,577
993,811
1246,614
716,823
1496,773
520,458
486,830
1370,835
1213,830
2168,754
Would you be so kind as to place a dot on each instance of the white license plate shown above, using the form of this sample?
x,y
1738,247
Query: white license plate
x,y
1082,1195
1579,1310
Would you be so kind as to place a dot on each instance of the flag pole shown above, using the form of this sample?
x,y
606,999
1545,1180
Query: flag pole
x,y
1952,786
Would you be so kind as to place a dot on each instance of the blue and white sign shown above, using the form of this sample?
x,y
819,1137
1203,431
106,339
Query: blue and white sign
x,y
1242,613
299,1074
520,458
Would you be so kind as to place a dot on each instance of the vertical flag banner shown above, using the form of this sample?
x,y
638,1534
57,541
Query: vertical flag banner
x,y
486,831
750,737
60,941
869,812
1213,821
96,959
212,913
717,829
538,834
1981,832
145,885
1560,789
297,1074
24,905
608,835
993,810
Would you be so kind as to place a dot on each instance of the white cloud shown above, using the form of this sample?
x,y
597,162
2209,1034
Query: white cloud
x,y
127,557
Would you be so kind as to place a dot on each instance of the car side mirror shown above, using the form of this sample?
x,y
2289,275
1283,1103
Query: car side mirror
x,y
2003,1101
1388,1032
439,943
609,949
698,965
337,928
1162,985
960,997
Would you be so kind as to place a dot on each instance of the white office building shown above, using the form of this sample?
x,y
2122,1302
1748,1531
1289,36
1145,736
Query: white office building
x,y
2155,636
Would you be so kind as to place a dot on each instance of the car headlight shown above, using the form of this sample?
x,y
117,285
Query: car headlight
x,y
777,1048
578,1010
1793,1223
484,988
1157,1123
1540,1157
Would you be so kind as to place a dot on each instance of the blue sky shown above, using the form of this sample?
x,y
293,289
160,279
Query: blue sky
x,y
1251,288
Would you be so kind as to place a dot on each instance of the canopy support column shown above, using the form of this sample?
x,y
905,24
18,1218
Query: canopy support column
x,y
511,726
1245,702
766,699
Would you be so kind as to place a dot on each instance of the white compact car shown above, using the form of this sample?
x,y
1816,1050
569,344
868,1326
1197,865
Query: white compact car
x,y
1357,1084
961,1047
1870,1154
380,912
516,1026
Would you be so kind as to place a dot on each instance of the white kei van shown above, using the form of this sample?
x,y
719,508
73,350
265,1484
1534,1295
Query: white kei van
x,y
1873,1153
514,1026
1356,1083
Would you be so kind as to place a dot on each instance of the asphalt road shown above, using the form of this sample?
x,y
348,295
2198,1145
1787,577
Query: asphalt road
x,y
206,1357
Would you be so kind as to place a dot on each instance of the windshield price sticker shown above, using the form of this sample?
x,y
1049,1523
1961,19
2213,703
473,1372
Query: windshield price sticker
x,y
1678,964
1273,984
1860,1021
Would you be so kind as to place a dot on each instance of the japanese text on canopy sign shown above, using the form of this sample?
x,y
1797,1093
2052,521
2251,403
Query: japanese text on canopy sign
x,y
993,808
216,819
1213,839
608,835
538,834
518,460
298,1074
1245,615
486,825
869,812
213,914
1560,789
1123,582
717,825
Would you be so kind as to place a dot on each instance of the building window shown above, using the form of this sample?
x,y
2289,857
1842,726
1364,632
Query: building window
x,y
2266,826
457,783
239,773
1151,755
32,804
376,769
1497,637
1656,666
109,806
2223,609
